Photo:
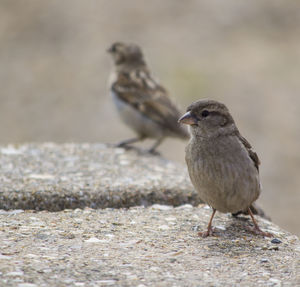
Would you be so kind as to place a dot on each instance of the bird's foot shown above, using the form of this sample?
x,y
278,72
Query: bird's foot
x,y
258,231
126,143
122,144
153,152
208,232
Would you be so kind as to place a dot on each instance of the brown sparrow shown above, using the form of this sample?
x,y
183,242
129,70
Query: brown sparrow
x,y
221,163
142,103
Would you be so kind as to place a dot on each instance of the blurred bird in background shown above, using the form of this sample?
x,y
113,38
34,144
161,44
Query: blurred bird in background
x,y
141,102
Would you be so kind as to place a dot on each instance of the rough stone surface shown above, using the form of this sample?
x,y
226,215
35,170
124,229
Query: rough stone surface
x,y
55,177
141,246
154,246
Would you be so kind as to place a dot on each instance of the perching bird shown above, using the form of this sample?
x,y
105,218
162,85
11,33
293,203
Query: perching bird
x,y
221,163
142,103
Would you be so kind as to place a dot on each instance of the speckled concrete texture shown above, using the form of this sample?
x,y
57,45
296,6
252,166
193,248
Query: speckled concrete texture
x,y
51,233
153,246
55,177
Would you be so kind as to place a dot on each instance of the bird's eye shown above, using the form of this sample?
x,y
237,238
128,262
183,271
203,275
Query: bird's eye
x,y
205,113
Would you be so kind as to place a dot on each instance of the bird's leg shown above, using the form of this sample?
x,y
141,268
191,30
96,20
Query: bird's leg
x,y
209,231
156,144
129,141
256,229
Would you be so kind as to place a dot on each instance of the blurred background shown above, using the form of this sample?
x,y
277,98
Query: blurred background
x,y
54,70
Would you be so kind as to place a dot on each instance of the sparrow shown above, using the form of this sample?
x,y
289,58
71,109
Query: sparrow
x,y
221,163
142,103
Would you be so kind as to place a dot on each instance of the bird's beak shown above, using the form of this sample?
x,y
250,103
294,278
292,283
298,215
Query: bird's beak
x,y
188,119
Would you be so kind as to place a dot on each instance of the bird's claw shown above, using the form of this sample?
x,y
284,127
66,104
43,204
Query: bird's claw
x,y
258,231
154,152
208,232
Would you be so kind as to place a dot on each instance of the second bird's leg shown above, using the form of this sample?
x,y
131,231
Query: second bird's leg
x,y
209,231
156,144
256,228
129,141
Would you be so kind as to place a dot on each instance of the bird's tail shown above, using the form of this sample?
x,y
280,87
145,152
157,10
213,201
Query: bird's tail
x,y
255,210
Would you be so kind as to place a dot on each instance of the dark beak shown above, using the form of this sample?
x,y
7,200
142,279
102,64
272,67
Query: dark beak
x,y
188,119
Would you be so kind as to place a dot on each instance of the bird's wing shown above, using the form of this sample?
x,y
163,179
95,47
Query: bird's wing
x,y
139,90
252,154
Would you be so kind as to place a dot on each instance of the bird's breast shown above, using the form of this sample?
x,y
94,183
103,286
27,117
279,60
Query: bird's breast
x,y
112,79
134,119
223,175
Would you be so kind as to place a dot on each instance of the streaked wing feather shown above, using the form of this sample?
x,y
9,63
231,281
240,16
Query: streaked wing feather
x,y
253,155
140,91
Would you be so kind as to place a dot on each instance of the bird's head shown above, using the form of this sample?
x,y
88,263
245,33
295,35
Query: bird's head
x,y
208,118
126,53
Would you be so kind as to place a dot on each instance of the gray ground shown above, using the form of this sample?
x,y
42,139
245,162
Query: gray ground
x,y
156,245
54,177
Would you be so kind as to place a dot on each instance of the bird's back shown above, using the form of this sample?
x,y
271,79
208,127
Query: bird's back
x,y
146,99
